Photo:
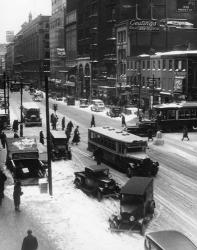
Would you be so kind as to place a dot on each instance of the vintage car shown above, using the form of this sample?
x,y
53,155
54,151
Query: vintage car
x,y
23,160
142,128
136,206
97,105
114,111
83,103
59,145
31,114
96,180
70,100
168,240
4,121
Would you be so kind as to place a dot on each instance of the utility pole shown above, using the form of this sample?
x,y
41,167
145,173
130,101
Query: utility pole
x,y
8,96
48,137
4,88
21,123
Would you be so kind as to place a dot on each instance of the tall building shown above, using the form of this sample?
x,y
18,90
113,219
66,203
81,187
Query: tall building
x,y
31,50
2,57
9,36
57,45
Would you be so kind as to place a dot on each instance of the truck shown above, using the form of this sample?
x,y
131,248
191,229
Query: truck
x,y
31,114
23,160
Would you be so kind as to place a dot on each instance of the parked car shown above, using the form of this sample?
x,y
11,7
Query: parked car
x,y
131,111
23,160
37,99
142,128
136,206
83,103
59,145
70,100
114,111
96,180
59,98
31,114
97,105
168,240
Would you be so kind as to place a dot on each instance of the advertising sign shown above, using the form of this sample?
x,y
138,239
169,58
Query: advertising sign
x,y
178,84
144,25
61,52
186,5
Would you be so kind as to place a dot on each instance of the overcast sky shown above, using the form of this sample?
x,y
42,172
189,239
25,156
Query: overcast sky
x,y
13,13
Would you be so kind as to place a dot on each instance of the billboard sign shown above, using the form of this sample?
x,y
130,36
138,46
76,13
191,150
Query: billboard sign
x,y
178,84
144,25
186,5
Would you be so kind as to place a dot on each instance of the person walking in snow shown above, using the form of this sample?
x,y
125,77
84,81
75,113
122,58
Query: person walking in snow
x,y
63,123
92,121
3,178
123,121
17,195
41,137
185,133
29,242
76,137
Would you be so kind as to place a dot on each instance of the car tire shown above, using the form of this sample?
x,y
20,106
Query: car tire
x,y
99,195
78,182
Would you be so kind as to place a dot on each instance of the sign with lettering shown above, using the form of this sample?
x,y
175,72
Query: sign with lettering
x,y
186,5
178,84
144,25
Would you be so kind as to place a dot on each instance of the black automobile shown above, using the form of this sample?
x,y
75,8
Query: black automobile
x,y
70,100
136,206
142,128
59,145
96,180
114,111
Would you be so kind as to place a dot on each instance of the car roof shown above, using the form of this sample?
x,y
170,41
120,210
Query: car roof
x,y
58,134
96,168
21,144
136,185
171,240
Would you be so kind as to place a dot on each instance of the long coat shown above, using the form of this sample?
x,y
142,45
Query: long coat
x,y
76,137
30,243
17,194
3,178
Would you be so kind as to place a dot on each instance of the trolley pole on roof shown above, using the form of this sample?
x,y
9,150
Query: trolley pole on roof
x,y
48,136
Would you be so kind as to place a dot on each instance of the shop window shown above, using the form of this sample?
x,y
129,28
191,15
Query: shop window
x,y
143,65
159,64
148,64
170,64
164,64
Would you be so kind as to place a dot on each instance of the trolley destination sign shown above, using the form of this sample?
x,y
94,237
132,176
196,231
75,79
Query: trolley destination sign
x,y
144,25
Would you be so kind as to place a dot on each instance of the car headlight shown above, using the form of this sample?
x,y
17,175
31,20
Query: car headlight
x,y
119,217
132,218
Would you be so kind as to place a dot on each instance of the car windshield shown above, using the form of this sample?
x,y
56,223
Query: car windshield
x,y
102,173
131,199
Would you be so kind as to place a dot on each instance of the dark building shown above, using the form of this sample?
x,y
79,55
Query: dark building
x,y
31,50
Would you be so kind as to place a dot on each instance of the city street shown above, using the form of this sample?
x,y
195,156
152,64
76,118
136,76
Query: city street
x,y
72,220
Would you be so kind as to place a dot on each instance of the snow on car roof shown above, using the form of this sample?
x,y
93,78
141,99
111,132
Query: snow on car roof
x,y
176,105
136,185
172,240
117,134
22,144
30,105
58,134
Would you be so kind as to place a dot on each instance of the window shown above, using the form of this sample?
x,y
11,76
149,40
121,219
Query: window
x,y
159,64
170,64
164,63
143,65
154,64
148,64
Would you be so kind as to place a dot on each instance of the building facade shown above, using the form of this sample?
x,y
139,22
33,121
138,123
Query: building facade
x,y
9,36
31,51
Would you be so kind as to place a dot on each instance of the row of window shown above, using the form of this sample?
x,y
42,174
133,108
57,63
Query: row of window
x,y
164,64
179,114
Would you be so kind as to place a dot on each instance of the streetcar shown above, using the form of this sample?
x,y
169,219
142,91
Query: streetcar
x,y
122,150
172,117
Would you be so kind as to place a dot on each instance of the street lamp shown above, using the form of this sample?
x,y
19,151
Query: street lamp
x,y
21,107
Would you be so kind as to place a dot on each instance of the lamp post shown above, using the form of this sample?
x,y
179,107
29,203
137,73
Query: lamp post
x,y
21,107
4,88
8,97
48,136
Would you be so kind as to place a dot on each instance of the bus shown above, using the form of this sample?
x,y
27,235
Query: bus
x,y
172,117
122,150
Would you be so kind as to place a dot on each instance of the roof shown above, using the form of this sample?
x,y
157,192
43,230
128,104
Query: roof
x,y
58,134
117,134
136,185
21,144
96,168
30,105
172,240
176,105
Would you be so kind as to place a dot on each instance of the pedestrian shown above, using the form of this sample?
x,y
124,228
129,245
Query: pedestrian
x,y
92,121
76,137
123,121
150,134
63,123
3,178
16,135
17,195
15,125
29,242
98,154
41,137
185,133
3,139
67,132
70,126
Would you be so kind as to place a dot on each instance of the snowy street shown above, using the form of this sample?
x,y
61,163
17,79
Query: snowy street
x,y
72,220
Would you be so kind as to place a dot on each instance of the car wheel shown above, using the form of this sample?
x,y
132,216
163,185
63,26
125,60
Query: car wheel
x,y
77,182
130,172
99,195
